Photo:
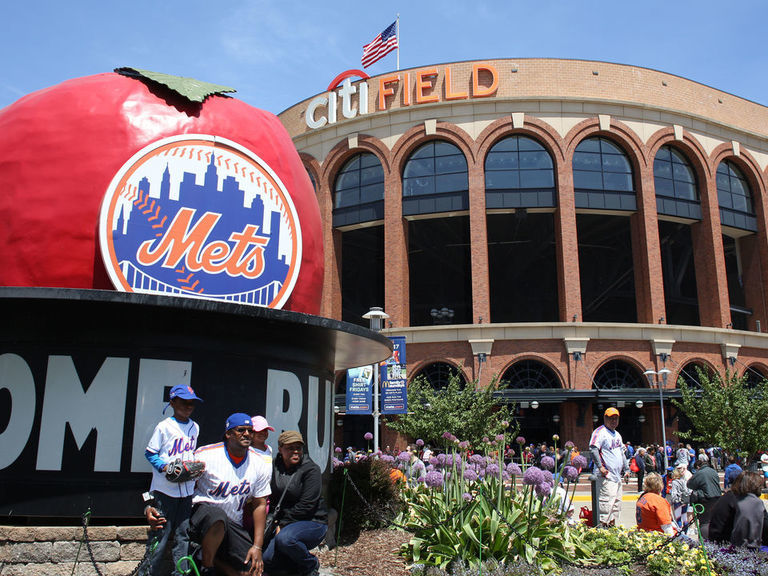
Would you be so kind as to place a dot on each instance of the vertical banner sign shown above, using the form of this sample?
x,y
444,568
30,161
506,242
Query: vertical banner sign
x,y
394,396
359,390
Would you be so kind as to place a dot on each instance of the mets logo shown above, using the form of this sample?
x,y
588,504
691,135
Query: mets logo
x,y
201,216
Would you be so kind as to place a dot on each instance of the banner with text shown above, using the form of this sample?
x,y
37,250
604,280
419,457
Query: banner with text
x,y
360,390
394,394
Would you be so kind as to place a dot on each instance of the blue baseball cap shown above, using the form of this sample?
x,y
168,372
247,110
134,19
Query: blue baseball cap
x,y
238,419
183,392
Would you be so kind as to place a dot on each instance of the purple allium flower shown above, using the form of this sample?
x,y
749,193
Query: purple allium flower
x,y
434,461
547,477
533,476
421,479
434,479
571,474
337,450
499,437
505,476
519,440
337,463
570,445
543,490
579,462
513,469
555,437
504,423
387,458
486,439
418,465
510,452
441,459
476,459
492,470
470,475
404,457
448,436
466,496
419,442
548,463
464,445
368,436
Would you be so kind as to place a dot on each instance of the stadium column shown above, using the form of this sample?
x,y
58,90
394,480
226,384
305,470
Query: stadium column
x,y
649,281
709,260
567,242
478,233
396,278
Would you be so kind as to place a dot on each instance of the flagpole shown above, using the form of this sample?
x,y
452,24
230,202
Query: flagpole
x,y
397,32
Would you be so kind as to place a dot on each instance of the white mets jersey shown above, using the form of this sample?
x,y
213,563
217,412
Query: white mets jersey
x,y
611,448
228,485
173,440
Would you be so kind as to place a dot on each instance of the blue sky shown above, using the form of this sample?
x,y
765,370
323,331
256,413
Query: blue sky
x,y
277,53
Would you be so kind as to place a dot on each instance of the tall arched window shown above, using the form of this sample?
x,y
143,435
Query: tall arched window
x,y
735,198
358,192
530,375
602,176
675,183
438,374
519,173
435,179
617,375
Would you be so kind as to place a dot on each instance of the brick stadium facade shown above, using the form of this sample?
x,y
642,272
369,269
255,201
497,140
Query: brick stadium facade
x,y
590,221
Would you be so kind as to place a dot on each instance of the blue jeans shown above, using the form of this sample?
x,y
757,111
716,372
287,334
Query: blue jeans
x,y
289,550
176,512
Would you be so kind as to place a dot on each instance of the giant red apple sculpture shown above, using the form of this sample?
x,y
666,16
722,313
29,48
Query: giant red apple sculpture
x,y
118,181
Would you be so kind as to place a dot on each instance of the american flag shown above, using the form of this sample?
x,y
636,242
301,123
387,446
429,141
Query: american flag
x,y
382,45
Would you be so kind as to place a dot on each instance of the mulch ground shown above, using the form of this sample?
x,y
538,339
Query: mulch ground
x,y
372,553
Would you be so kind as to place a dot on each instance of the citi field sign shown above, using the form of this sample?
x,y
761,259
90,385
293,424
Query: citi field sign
x,y
201,216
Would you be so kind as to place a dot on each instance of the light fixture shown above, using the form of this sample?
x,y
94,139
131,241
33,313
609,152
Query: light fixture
x,y
534,404
639,404
595,418
641,418
556,418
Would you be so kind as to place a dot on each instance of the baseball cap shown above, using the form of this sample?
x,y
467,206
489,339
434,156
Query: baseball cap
x,y
260,423
764,458
183,392
290,437
611,412
237,419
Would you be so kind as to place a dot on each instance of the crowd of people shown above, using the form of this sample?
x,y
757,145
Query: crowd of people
x,y
231,506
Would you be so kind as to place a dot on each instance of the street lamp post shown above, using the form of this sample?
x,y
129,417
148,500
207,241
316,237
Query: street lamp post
x,y
664,372
376,317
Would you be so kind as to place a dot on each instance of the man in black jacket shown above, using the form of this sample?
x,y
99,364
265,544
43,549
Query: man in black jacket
x,y
705,490
298,509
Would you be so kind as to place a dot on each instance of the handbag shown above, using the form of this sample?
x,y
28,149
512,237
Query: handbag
x,y
633,466
270,528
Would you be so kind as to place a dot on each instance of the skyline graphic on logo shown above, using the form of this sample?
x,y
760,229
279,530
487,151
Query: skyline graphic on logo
x,y
203,217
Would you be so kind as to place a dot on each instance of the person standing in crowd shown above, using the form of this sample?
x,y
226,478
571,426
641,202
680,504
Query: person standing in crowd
x,y
681,456
301,516
750,523
679,496
173,438
731,471
640,463
660,462
705,490
764,464
607,451
630,450
652,512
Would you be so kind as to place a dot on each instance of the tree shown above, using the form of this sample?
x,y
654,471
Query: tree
x,y
466,412
726,412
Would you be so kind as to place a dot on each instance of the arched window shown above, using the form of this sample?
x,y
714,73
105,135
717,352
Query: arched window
x,y
602,176
519,173
435,179
530,375
754,375
689,374
312,180
617,375
438,374
358,192
735,198
675,183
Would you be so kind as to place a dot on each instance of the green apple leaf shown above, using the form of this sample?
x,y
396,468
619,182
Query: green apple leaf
x,y
191,89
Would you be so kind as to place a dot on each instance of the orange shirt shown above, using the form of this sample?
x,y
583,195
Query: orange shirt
x,y
652,512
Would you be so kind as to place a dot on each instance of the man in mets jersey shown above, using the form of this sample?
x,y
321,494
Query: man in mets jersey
x,y
234,476
611,465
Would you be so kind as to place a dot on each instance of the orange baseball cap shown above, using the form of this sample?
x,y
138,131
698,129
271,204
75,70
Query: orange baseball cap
x,y
611,412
